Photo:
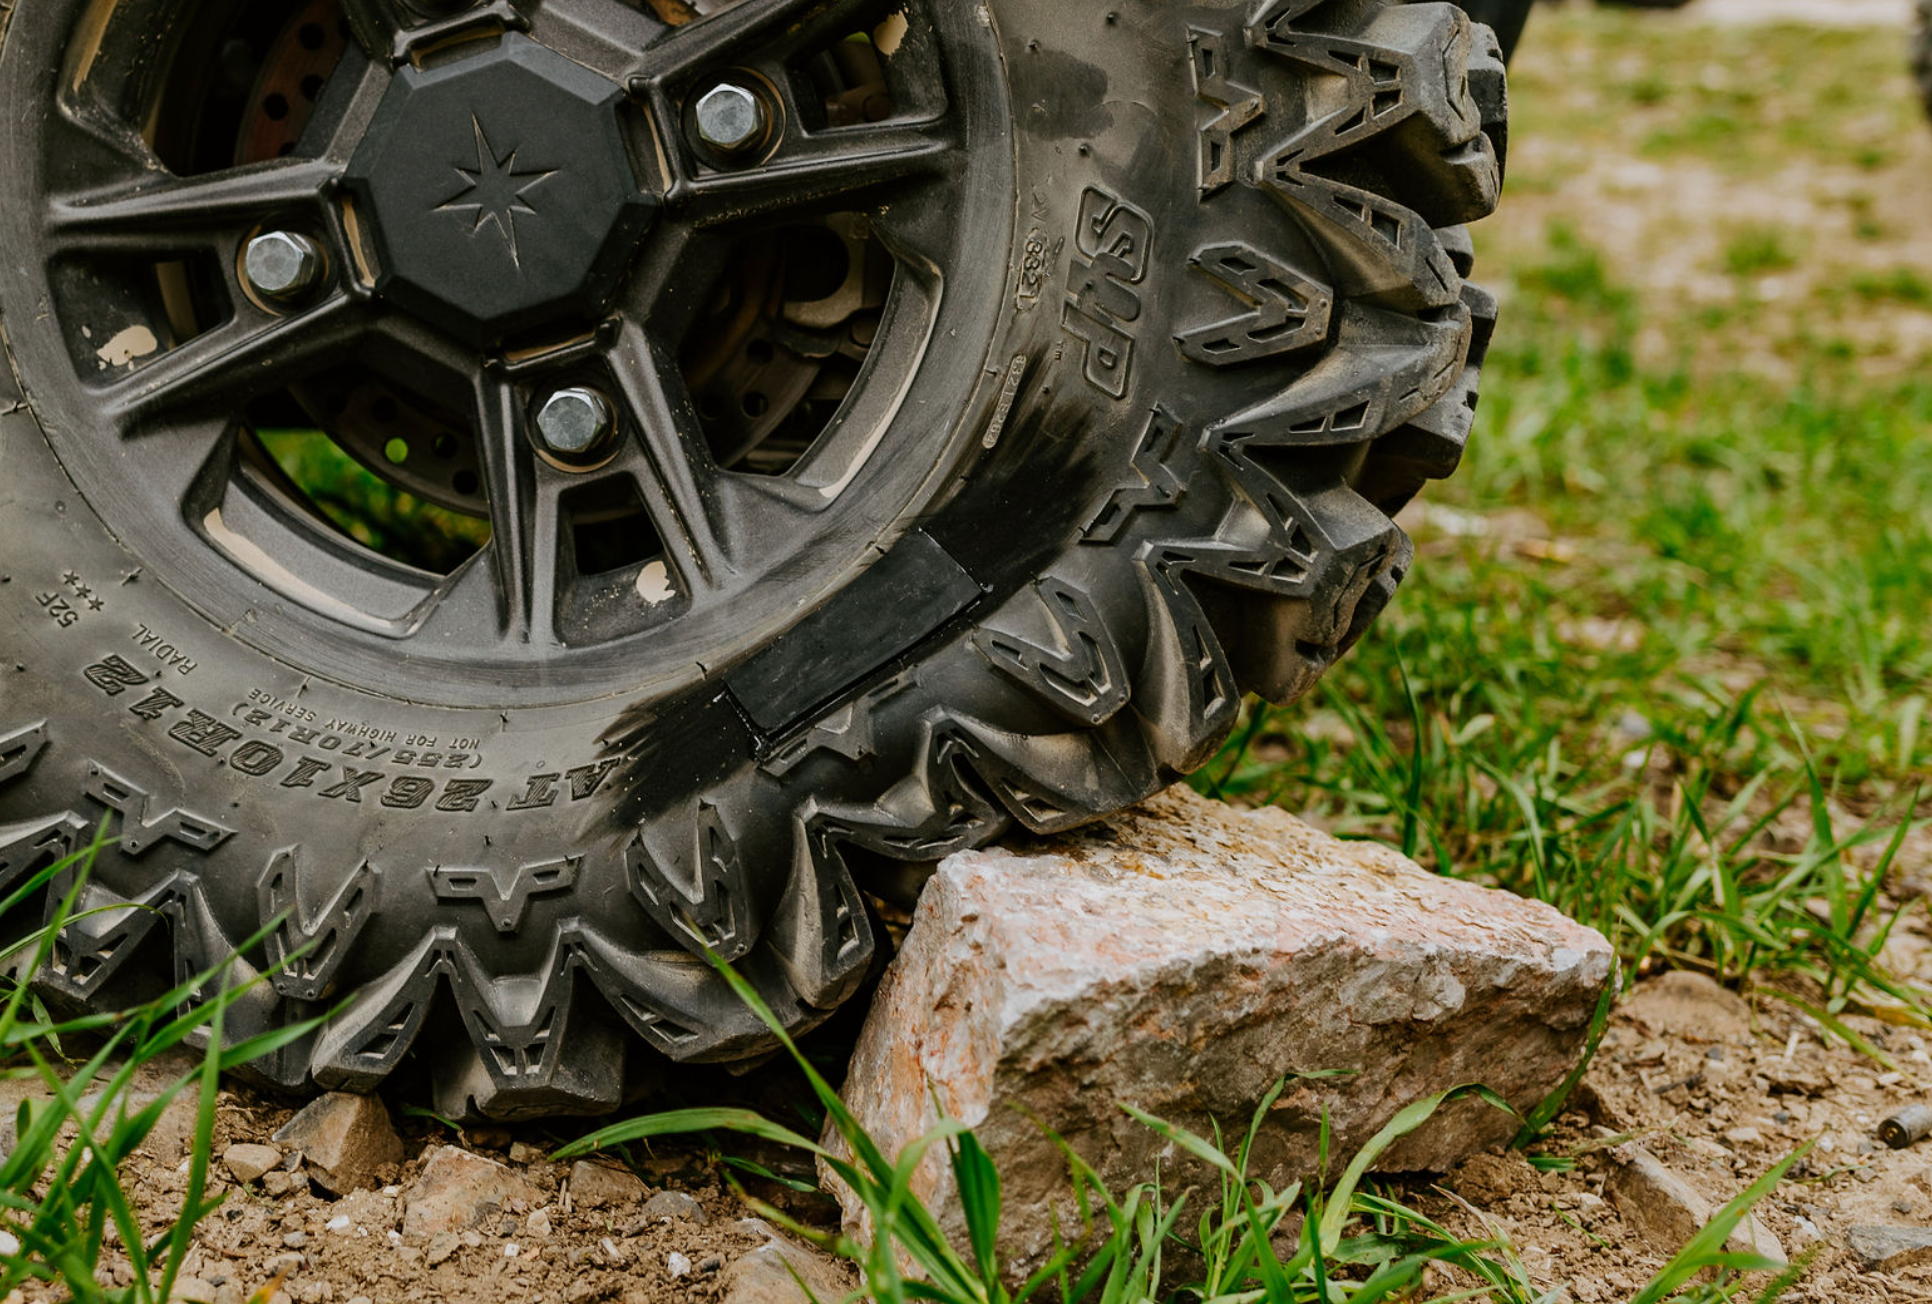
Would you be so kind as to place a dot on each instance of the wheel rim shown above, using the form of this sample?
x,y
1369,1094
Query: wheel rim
x,y
678,543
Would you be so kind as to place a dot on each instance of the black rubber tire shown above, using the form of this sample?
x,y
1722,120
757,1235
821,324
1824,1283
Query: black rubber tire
x,y
1235,338
1922,51
1506,18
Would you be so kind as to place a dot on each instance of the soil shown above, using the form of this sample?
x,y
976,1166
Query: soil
x,y
283,1239
1718,1091
1716,1088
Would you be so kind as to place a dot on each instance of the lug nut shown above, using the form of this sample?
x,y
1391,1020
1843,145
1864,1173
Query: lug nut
x,y
731,118
282,265
573,422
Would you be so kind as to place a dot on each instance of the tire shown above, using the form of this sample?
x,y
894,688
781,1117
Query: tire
x,y
1195,327
1506,18
1922,51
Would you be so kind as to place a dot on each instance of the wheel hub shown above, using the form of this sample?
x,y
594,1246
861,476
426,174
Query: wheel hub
x,y
496,193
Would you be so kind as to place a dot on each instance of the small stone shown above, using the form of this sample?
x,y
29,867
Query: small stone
x,y
1796,1078
193,1290
457,1190
1667,1212
666,1205
339,1224
521,1153
765,1276
247,1163
360,1299
344,1139
1887,1249
1682,1003
285,1265
487,1138
598,1186
510,1250
296,1240
677,1265
9,1245
441,1248
538,1222
1744,1136
1186,956
277,1182
1491,1179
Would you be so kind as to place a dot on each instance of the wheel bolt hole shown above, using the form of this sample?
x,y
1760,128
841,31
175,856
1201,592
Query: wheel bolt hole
x,y
760,352
276,106
465,483
756,405
445,446
397,451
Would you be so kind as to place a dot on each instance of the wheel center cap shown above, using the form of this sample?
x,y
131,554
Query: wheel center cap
x,y
498,192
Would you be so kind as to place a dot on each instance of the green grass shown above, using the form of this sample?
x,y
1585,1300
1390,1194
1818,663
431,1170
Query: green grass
x,y
61,1194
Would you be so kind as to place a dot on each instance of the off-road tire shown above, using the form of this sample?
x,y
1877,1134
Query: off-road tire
x,y
1922,51
1228,336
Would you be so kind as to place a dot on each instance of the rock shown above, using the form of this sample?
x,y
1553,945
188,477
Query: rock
x,y
1183,957
1492,1179
344,1139
1682,1003
1795,1078
678,1265
246,1162
1666,1211
441,1247
764,1276
674,1204
596,1186
1887,1249
193,1290
458,1190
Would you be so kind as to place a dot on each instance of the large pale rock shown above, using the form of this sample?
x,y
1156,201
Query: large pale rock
x,y
1183,957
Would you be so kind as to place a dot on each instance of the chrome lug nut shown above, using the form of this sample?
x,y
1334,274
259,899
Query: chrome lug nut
x,y
282,265
573,422
731,118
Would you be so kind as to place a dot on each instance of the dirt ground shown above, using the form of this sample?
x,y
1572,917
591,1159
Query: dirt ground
x,y
1715,1088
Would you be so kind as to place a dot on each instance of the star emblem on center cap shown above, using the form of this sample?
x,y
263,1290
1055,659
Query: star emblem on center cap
x,y
494,191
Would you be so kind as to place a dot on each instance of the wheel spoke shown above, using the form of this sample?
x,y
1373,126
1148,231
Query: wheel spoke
x,y
377,25
812,168
771,29
165,215
919,227
217,373
674,471
522,555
